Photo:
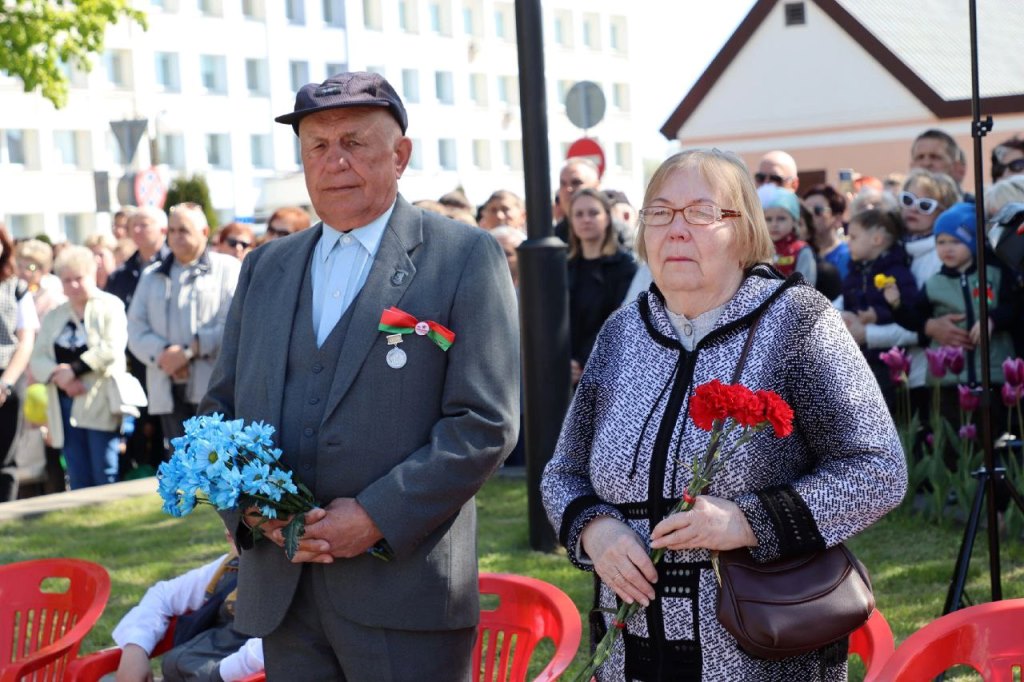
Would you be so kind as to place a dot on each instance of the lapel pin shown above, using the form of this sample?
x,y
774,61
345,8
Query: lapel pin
x,y
398,277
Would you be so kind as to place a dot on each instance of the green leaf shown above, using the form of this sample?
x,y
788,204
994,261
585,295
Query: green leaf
x,y
292,534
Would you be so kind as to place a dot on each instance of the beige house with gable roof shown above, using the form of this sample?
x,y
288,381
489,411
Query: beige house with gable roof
x,y
851,83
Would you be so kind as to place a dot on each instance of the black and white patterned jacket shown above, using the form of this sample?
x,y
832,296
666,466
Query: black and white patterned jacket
x,y
627,443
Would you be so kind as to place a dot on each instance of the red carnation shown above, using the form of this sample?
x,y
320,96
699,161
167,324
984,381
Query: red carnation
x,y
747,409
778,412
710,402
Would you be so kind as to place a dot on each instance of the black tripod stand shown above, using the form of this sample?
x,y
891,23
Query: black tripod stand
x,y
989,475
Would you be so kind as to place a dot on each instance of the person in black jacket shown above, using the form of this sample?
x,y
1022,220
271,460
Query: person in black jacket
x,y
600,272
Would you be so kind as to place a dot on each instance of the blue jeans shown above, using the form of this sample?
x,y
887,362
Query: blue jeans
x,y
91,455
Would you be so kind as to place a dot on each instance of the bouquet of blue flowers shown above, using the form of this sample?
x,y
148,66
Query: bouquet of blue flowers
x,y
231,465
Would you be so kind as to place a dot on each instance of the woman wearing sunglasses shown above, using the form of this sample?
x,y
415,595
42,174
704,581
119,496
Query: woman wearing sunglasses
x,y
234,239
1008,159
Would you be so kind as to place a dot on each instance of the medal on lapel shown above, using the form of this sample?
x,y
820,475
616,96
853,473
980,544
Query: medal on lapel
x,y
396,356
398,322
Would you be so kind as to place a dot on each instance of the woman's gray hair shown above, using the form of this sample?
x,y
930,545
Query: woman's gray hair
x,y
1006,191
729,177
78,260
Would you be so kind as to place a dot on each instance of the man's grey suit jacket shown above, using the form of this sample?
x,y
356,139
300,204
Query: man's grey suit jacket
x,y
412,445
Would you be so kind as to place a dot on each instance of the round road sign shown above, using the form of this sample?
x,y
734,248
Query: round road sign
x,y
584,104
588,148
149,188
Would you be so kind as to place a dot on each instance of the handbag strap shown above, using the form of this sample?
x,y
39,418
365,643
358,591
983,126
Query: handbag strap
x,y
746,348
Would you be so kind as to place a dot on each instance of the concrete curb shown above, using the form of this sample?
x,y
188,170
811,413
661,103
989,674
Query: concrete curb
x,y
44,504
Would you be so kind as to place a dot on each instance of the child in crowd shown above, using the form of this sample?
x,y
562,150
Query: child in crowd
x,y
782,213
877,262
955,290
206,646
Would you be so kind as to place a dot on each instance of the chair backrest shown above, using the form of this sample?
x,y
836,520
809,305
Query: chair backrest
x,y
986,637
874,644
528,611
46,608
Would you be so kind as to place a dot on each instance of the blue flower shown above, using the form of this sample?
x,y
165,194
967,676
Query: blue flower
x,y
254,478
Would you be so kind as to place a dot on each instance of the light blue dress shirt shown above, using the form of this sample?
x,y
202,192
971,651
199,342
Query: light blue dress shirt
x,y
341,264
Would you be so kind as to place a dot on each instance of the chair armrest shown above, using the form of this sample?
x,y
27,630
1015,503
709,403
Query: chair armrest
x,y
94,666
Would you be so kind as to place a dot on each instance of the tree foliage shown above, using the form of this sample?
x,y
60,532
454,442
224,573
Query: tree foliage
x,y
194,189
38,37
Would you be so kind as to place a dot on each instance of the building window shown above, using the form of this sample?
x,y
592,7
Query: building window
x,y
508,90
214,73
164,5
334,68
411,85
620,96
253,9
14,147
478,88
210,8
482,154
73,227
218,151
334,13
470,22
117,65
443,87
295,12
440,18
256,76
76,77
446,154
416,158
592,31
408,21
65,143
512,154
503,22
563,28
624,155
617,35
167,74
260,149
563,90
298,72
297,151
372,16
379,70
171,150
21,225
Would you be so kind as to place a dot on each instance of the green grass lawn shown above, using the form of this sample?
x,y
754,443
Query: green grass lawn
x,y
910,560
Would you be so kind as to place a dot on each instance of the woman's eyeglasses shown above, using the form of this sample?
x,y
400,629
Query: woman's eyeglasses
x,y
695,214
819,210
277,231
1016,166
235,243
925,205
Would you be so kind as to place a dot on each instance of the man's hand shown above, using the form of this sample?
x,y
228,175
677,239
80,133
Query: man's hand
x,y
620,560
172,360
714,523
341,530
944,331
75,388
134,666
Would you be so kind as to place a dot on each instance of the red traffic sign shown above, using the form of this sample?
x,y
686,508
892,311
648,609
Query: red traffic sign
x,y
149,188
588,148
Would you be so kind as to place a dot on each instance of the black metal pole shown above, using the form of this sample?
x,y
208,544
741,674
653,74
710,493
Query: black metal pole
x,y
543,288
978,130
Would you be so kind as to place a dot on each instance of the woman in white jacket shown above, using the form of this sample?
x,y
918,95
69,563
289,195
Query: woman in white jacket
x,y
81,345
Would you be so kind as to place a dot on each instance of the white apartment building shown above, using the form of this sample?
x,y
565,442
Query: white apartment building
x,y
210,75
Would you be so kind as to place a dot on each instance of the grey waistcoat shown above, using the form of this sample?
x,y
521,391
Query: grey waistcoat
x,y
308,379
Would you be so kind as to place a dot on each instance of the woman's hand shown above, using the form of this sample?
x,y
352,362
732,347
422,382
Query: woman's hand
x,y
713,523
620,559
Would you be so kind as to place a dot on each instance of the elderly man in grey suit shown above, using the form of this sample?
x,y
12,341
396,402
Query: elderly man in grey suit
x,y
393,433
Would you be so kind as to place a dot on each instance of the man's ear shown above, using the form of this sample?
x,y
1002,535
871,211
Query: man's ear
x,y
403,152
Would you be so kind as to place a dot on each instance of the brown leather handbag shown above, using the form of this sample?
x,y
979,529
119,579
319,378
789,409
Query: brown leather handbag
x,y
792,606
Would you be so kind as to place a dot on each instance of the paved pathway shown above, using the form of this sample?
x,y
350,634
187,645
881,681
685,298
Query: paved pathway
x,y
35,506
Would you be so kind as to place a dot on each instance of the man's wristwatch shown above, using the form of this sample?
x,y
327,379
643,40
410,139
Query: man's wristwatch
x,y
187,352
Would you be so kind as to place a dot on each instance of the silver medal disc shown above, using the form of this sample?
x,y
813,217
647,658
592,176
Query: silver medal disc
x,y
396,358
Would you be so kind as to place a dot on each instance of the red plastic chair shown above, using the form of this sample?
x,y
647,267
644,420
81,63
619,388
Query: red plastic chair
x,y
528,611
987,637
40,632
874,644
94,666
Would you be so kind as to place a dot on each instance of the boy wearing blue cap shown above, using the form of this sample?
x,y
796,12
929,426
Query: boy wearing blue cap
x,y
954,289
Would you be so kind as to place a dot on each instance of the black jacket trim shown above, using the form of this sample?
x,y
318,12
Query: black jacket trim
x,y
576,509
794,524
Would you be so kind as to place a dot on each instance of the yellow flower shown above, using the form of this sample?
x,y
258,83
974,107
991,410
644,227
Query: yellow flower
x,y
882,281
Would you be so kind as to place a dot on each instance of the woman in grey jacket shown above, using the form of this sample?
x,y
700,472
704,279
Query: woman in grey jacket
x,y
626,447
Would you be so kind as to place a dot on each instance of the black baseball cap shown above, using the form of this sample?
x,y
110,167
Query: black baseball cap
x,y
350,89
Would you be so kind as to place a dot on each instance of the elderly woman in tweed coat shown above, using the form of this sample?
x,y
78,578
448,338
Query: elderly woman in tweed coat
x,y
626,446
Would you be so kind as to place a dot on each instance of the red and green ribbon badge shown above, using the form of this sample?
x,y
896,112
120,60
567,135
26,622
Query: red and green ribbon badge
x,y
988,293
397,321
